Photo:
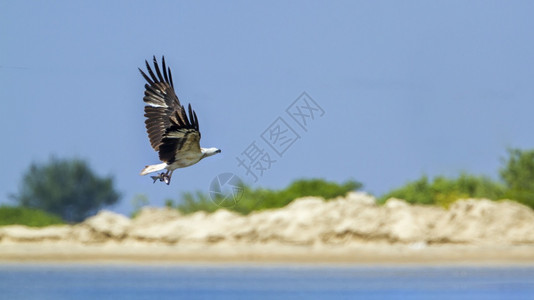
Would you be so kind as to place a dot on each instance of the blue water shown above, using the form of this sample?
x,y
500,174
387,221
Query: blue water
x,y
62,281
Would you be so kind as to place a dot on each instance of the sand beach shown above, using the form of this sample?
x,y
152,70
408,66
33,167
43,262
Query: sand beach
x,y
351,229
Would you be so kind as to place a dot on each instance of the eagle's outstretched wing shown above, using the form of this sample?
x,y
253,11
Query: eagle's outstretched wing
x,y
169,128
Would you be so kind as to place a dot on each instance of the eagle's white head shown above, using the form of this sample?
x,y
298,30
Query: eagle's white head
x,y
209,151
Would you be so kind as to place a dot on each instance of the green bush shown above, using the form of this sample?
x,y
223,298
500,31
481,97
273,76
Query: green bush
x,y
518,175
443,191
10,215
266,199
517,184
193,202
67,188
138,202
260,198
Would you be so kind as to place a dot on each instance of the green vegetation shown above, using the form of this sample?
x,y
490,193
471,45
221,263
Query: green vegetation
x,y
10,215
517,183
258,199
443,191
138,202
66,188
518,175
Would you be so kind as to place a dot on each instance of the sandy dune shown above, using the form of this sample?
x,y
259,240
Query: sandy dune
x,y
349,229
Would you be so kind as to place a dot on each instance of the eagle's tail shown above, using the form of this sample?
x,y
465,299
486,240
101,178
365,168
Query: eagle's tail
x,y
153,168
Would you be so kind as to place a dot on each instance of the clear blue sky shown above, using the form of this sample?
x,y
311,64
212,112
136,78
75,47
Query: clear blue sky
x,y
407,87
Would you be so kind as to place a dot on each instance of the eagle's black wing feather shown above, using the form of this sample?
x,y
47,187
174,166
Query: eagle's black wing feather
x,y
170,130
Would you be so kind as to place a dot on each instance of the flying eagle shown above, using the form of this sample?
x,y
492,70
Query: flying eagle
x,y
172,133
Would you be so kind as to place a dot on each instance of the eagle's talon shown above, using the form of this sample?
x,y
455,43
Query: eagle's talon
x,y
166,178
161,177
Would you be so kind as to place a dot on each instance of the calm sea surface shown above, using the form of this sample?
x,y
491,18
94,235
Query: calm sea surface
x,y
100,281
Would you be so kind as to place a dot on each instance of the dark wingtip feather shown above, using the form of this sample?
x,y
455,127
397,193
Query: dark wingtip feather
x,y
145,76
156,66
187,121
193,117
164,69
170,78
196,120
149,69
